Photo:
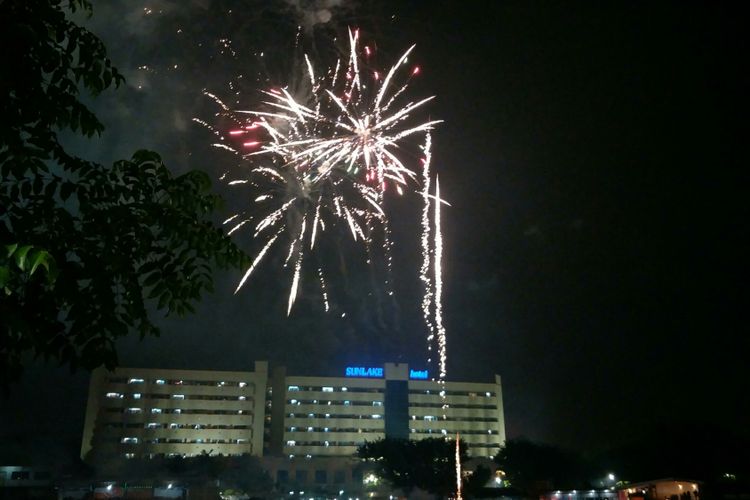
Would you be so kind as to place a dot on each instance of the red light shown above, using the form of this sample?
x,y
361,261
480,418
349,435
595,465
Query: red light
x,y
236,132
415,71
251,144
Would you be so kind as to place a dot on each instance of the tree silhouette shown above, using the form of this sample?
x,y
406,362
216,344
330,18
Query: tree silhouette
x,y
84,248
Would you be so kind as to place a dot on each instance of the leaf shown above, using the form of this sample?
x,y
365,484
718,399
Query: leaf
x,y
11,248
39,257
20,256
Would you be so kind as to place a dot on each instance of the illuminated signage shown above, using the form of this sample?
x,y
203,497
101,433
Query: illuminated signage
x,y
360,371
418,374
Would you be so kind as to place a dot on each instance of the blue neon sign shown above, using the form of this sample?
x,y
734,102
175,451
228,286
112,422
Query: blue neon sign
x,y
361,371
419,374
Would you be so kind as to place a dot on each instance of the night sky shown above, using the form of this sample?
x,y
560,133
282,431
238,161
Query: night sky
x,y
591,155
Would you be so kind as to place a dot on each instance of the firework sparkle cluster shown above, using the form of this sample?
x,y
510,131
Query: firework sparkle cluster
x,y
328,153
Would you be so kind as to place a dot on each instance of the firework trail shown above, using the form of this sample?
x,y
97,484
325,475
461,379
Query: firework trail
x,y
329,153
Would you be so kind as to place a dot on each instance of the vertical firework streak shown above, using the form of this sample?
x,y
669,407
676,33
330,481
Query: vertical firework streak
x,y
426,252
458,467
440,329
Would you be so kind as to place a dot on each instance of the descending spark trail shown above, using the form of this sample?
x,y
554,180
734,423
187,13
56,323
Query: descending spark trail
x,y
330,152
439,285
458,467
426,253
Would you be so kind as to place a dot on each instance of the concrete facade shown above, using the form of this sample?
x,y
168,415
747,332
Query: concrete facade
x,y
332,416
146,412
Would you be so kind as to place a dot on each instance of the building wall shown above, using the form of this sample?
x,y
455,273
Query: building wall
x,y
332,416
474,410
142,412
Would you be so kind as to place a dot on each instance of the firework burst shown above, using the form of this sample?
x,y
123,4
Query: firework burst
x,y
328,152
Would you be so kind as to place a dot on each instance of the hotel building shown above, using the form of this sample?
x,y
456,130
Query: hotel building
x,y
147,412
332,416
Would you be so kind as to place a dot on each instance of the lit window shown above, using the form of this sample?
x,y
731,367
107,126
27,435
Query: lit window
x,y
177,410
293,388
327,443
325,429
178,396
152,425
376,416
344,389
130,455
242,398
488,394
347,403
444,432
377,403
155,410
327,389
328,415
115,395
239,412
132,410
309,429
137,395
311,415
291,443
129,440
243,384
292,429
293,401
174,426
220,384
161,381
135,381
429,417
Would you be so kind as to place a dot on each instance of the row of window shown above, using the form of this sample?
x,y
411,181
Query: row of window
x,y
453,406
333,402
333,415
471,394
158,425
329,429
444,432
160,381
137,395
295,388
292,443
429,418
453,393
326,402
433,418
178,411
136,440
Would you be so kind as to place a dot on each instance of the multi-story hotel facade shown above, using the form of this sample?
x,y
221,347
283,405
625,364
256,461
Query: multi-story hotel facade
x,y
148,412
332,416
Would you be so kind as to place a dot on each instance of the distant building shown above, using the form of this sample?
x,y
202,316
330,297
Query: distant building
x,y
332,416
147,412
134,412
659,489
